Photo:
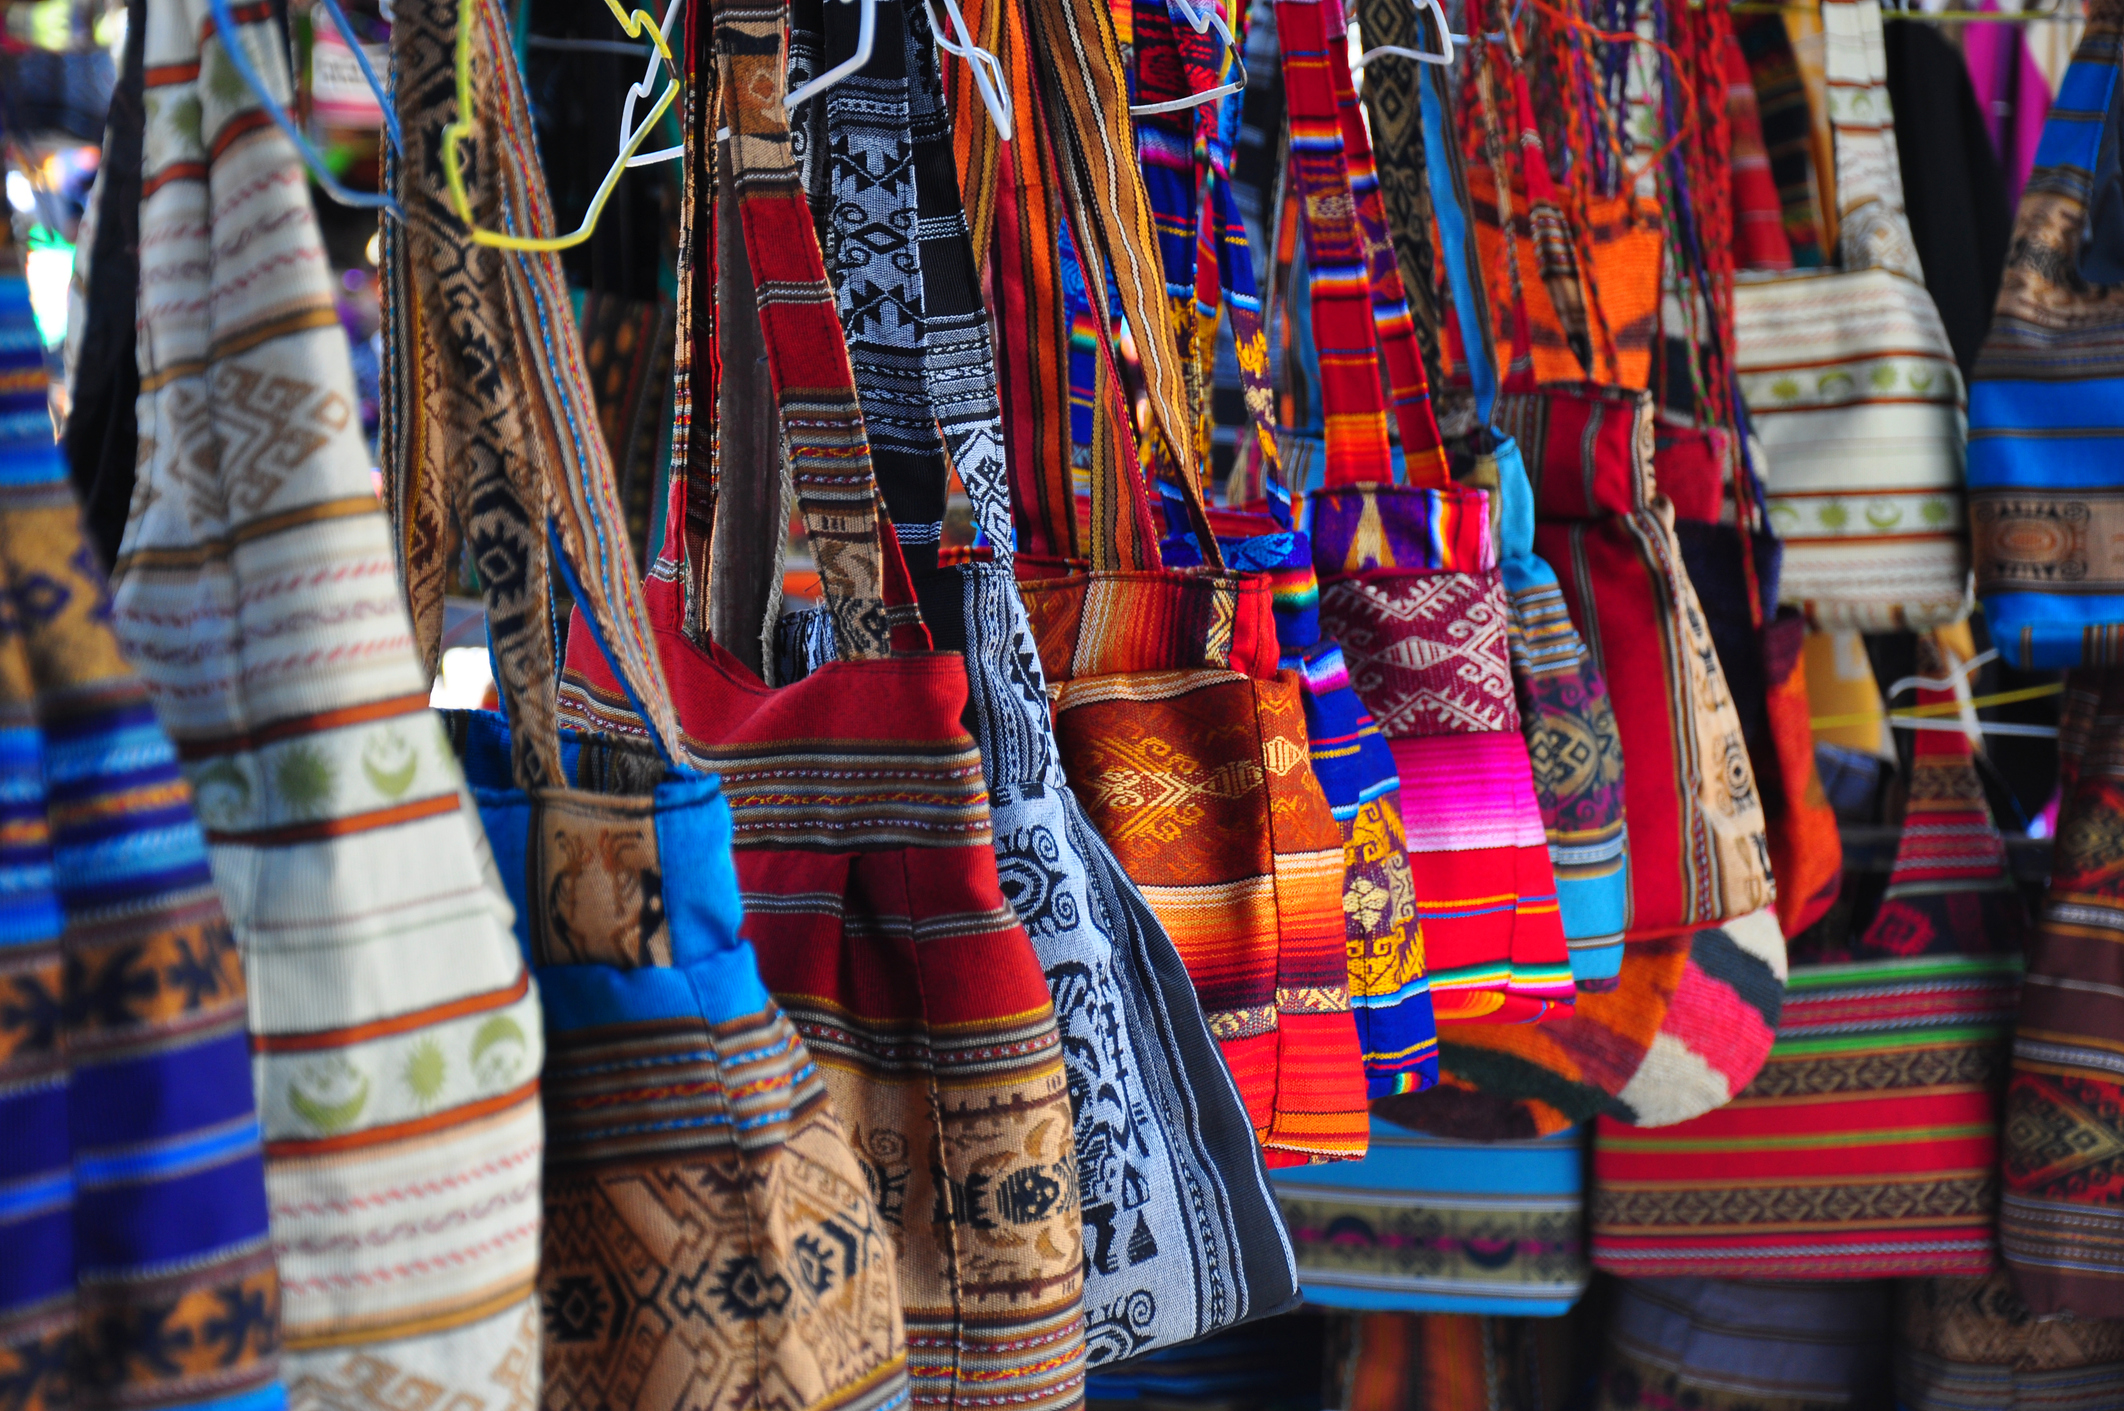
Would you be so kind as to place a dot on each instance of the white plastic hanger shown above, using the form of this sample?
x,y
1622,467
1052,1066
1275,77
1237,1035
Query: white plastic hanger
x,y
647,88
1202,21
1444,57
986,68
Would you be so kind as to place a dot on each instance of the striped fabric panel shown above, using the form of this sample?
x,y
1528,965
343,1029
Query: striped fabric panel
x,y
1338,260
1432,1225
2039,427
1384,948
1408,388
257,595
132,1193
1109,208
828,450
1866,1147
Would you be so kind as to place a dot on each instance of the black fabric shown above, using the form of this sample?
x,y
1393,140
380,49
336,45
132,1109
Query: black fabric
x,y
1953,185
102,432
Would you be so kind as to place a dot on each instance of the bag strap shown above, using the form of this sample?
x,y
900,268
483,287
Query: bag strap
x,y
1873,231
1111,212
532,473
869,595
1408,387
1337,269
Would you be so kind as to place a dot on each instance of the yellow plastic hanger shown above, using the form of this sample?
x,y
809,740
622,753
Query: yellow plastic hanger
x,y
456,132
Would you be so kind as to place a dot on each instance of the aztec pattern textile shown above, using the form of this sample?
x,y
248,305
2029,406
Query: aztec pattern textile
x,y
1182,1233
1669,1043
1426,1224
1414,595
1389,992
138,1270
1719,1345
1851,384
2061,1221
2042,489
1199,777
395,1035
710,1239
691,1148
1188,749
1572,741
866,863
875,268
1868,1144
1972,1345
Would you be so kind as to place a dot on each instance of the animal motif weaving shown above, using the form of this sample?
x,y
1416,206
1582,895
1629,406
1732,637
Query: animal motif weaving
x,y
1852,386
2061,1218
866,862
1182,1233
2042,496
396,1041
710,1239
139,1270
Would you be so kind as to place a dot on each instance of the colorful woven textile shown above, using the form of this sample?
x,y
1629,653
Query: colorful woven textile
x,y
691,1143
2042,490
1788,132
1697,856
395,1036
1389,991
710,1238
1426,1224
1414,595
1182,1233
1972,1345
1759,239
1851,385
1722,1345
138,1269
1867,1144
2061,1222
866,862
1697,853
1188,749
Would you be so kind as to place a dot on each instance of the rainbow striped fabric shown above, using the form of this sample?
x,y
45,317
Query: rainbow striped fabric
x,y
137,1269
1390,995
